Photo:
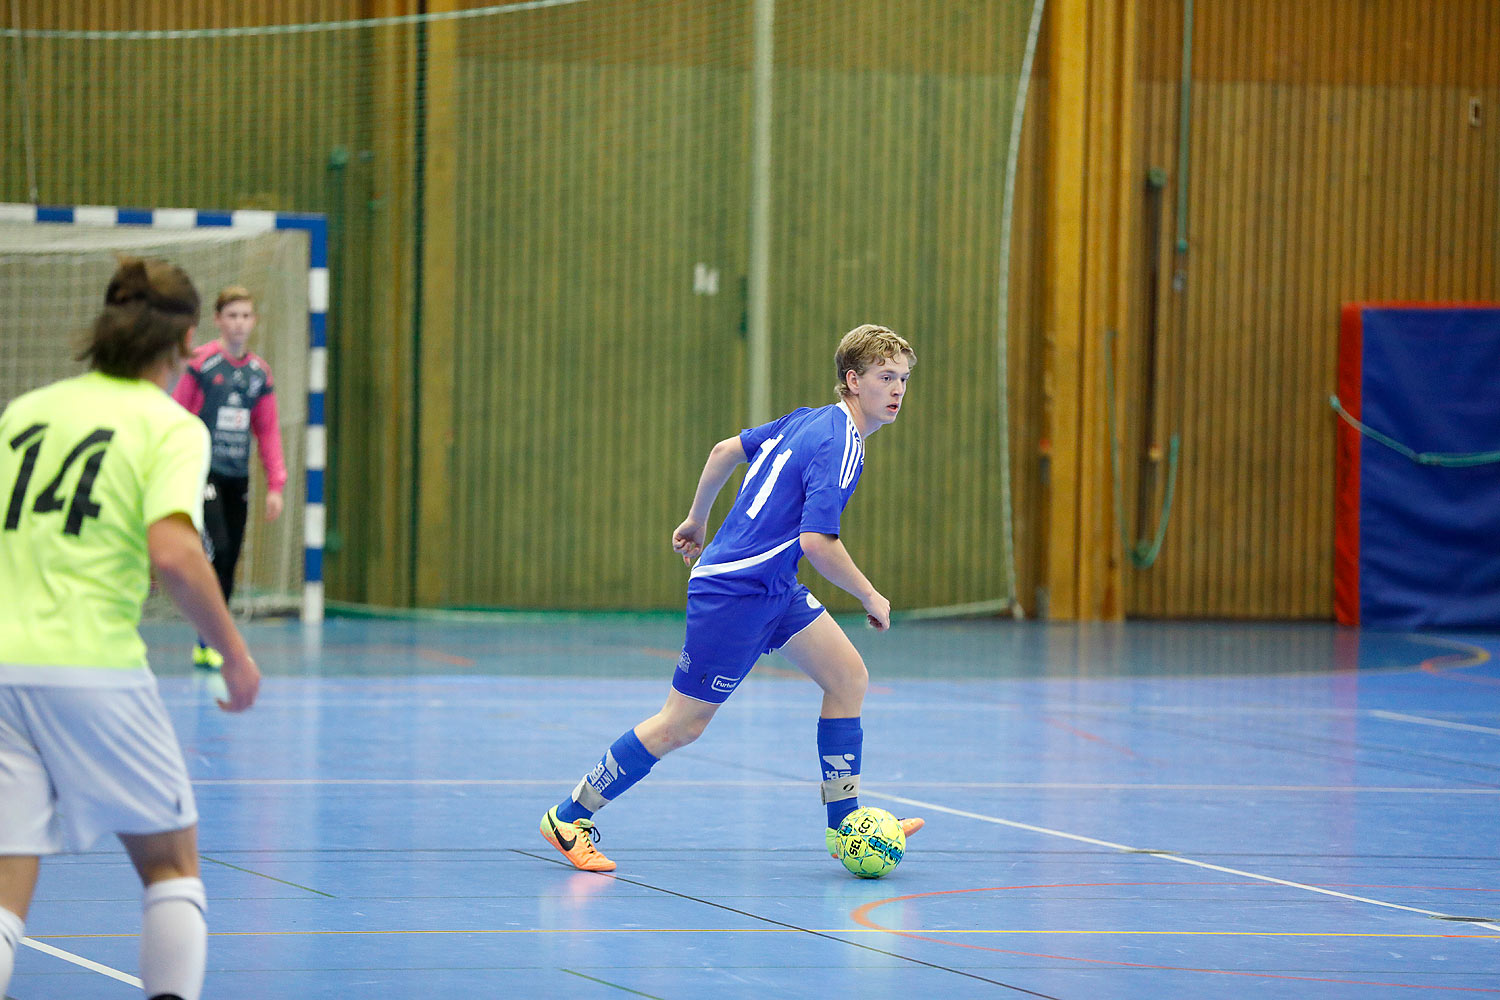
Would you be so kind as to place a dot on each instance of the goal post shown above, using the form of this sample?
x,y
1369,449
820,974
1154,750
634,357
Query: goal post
x,y
54,264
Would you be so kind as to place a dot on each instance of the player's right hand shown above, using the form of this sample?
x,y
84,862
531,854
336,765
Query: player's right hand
x,y
687,540
242,679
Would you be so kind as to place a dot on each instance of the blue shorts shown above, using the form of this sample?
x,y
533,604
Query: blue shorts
x,y
727,633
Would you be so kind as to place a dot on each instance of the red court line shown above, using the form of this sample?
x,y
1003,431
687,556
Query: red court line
x,y
860,916
1086,735
449,658
420,652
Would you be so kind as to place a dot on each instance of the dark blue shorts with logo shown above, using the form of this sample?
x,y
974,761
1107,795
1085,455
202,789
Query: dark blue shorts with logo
x,y
727,633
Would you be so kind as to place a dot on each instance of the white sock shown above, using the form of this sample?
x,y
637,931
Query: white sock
x,y
174,938
11,928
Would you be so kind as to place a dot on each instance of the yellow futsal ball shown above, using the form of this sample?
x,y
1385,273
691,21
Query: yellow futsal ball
x,y
871,843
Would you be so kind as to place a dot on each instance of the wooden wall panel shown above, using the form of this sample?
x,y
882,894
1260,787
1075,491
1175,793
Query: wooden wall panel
x,y
886,206
887,196
1354,43
1332,161
584,160
592,378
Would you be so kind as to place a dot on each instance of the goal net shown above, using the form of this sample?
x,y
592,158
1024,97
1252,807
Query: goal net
x,y
52,280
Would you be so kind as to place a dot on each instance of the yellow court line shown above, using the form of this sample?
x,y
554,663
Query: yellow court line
x,y
1478,655
794,930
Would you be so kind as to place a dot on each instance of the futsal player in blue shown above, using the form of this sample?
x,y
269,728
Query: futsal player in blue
x,y
744,598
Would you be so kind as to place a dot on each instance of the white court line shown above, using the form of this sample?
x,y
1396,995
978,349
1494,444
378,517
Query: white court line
x,y
1439,723
1103,786
303,699
1178,858
498,782
133,981
1081,786
68,956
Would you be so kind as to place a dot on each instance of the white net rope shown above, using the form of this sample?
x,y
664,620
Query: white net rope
x,y
680,204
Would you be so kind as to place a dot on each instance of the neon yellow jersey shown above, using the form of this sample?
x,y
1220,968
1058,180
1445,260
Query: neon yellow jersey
x,y
86,465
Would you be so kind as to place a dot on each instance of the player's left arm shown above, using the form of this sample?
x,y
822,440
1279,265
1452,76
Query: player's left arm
x,y
829,557
827,481
266,423
176,552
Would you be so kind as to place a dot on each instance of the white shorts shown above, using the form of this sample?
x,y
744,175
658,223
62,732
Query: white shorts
x,y
79,763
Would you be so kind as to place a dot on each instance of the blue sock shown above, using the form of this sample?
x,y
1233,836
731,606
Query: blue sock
x,y
625,762
839,743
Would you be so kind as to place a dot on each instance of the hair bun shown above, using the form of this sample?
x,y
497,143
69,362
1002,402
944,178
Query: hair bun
x,y
130,284
149,308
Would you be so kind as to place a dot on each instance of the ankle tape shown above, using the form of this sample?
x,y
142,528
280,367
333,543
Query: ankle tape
x,y
588,797
838,789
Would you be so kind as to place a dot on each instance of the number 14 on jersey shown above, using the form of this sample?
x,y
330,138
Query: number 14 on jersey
x,y
49,500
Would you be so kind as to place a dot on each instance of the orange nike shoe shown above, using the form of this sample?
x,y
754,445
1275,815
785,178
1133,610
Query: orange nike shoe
x,y
576,842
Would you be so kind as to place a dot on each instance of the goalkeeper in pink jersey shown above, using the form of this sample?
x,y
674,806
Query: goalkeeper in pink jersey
x,y
231,389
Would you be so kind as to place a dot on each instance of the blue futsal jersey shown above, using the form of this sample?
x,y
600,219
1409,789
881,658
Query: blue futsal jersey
x,y
803,470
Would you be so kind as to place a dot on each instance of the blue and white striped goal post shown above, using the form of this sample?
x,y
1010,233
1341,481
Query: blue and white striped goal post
x,y
316,228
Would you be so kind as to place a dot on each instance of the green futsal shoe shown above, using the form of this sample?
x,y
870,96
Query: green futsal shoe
x,y
207,658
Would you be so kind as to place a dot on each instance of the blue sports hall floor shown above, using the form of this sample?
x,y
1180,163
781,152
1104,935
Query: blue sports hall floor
x,y
1137,811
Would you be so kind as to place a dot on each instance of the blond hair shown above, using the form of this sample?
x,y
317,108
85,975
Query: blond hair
x,y
864,346
234,293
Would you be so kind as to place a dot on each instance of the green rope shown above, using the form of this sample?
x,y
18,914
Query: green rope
x,y
1449,460
1142,554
